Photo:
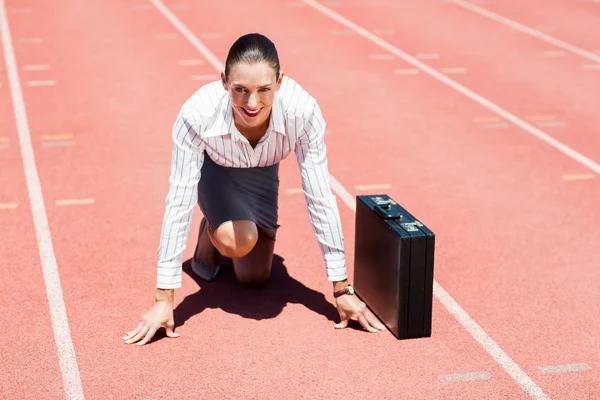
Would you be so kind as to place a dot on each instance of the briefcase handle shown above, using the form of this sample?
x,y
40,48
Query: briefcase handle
x,y
388,211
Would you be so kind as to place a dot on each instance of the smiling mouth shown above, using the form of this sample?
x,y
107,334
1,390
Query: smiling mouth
x,y
251,114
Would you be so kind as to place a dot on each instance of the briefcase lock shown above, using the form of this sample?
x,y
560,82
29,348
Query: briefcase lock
x,y
386,210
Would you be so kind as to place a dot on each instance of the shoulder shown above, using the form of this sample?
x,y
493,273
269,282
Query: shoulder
x,y
297,101
203,104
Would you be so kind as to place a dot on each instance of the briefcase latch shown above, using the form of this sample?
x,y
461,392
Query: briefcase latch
x,y
386,210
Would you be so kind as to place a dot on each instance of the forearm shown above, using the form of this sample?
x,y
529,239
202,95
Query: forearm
x,y
167,295
339,285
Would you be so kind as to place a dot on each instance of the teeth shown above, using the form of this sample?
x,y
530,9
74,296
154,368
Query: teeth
x,y
252,113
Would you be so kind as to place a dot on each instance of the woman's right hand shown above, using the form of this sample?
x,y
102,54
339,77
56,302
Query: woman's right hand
x,y
160,315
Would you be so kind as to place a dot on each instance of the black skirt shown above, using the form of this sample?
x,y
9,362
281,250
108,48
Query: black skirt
x,y
232,194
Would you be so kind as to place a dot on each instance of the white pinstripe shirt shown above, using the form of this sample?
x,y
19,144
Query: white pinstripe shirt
x,y
205,122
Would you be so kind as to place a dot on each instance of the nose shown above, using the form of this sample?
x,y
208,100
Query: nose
x,y
252,101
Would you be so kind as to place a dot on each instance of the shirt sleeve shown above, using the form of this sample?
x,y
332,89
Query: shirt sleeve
x,y
186,162
323,212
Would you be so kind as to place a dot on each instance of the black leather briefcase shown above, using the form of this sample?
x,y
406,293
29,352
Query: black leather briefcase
x,y
393,265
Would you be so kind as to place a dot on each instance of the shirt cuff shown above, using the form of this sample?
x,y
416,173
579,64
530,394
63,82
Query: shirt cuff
x,y
336,270
168,276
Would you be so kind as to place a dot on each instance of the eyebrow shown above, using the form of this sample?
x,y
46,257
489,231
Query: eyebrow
x,y
260,87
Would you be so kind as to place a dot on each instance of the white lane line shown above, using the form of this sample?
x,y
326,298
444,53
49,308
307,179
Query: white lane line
x,y
451,305
577,177
373,187
41,67
58,314
74,202
20,10
56,137
450,71
563,148
550,123
528,30
31,40
471,376
41,83
561,369
185,63
591,67
211,35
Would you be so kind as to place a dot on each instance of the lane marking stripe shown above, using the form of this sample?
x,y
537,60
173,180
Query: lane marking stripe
x,y
472,376
8,206
559,369
56,137
460,88
382,56
71,202
449,303
454,70
551,123
41,83
406,71
574,177
591,67
428,56
58,314
528,30
373,187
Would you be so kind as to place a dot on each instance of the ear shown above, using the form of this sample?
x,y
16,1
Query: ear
x,y
279,80
224,81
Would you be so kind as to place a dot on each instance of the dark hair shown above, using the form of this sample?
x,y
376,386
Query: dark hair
x,y
252,48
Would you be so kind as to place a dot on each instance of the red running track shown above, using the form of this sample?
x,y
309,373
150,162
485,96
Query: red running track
x,y
515,241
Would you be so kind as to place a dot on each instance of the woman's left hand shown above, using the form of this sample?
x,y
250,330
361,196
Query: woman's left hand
x,y
351,307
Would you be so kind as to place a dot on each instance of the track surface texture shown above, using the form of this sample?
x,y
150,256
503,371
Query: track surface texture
x,y
488,134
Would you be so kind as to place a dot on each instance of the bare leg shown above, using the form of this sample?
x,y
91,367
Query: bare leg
x,y
253,270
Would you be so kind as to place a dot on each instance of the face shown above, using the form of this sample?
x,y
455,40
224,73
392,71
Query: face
x,y
252,89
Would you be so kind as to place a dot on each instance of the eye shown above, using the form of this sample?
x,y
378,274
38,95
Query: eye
x,y
239,89
265,89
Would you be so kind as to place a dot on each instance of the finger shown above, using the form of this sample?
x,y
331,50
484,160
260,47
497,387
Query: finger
x,y
342,324
170,330
149,335
363,321
133,332
373,321
139,335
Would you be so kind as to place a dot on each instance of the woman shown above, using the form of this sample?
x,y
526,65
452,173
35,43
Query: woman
x,y
228,140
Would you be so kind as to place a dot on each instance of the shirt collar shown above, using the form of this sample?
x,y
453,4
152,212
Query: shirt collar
x,y
224,123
